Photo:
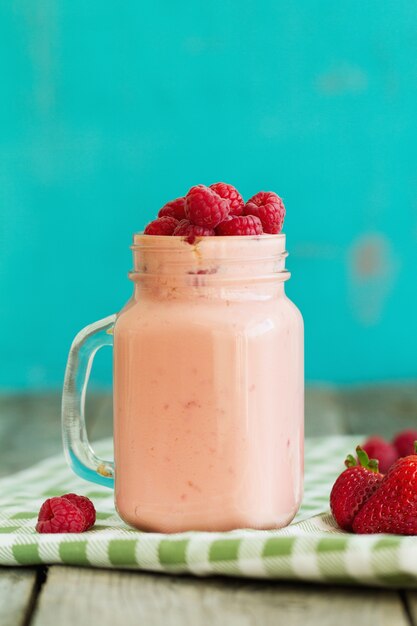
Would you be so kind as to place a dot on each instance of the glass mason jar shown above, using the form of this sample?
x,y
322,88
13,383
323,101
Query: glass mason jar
x,y
208,388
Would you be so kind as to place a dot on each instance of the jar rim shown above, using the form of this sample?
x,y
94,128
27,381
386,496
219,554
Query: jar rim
x,y
219,257
169,242
140,234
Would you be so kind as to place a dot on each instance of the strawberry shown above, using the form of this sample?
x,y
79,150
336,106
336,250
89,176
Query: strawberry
x,y
393,507
353,488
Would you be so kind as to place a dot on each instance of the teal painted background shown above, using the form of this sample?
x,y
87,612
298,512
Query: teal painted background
x,y
108,110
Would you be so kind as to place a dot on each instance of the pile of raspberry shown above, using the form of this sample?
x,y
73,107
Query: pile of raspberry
x,y
219,210
69,513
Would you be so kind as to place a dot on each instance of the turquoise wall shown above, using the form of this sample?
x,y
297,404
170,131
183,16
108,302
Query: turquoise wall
x,y
108,110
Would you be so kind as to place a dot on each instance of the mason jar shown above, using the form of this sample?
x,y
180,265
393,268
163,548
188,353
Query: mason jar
x,y
208,388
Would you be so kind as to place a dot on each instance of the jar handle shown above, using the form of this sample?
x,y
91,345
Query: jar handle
x,y
78,451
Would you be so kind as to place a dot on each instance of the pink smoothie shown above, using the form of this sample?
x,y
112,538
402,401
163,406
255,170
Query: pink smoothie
x,y
208,387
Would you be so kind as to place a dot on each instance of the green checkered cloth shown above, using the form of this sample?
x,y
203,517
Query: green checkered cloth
x,y
312,548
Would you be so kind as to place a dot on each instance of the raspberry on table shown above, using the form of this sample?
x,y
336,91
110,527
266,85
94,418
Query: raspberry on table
x,y
377,448
270,209
161,226
192,231
59,515
240,225
228,192
204,207
404,442
174,208
86,507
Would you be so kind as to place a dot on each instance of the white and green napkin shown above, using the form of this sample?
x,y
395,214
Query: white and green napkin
x,y
312,548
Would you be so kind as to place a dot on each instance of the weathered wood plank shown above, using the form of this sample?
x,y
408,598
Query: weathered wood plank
x,y
383,409
411,601
83,597
30,427
35,418
17,586
323,412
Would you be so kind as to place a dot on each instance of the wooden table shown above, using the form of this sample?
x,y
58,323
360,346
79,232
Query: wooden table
x,y
56,595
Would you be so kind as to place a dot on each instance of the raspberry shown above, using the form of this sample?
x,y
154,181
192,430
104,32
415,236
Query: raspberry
x,y
228,192
161,226
86,507
192,231
377,448
204,207
59,515
240,225
174,208
404,442
269,208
